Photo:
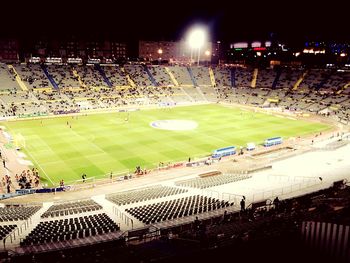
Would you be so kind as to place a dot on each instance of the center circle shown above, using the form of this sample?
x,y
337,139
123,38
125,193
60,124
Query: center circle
x,y
174,125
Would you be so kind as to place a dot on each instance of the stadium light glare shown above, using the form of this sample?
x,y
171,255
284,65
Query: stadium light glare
x,y
196,38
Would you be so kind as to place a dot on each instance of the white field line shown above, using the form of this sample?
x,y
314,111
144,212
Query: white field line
x,y
37,163
31,156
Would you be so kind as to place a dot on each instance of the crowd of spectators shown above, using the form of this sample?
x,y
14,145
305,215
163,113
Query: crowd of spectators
x,y
84,88
28,178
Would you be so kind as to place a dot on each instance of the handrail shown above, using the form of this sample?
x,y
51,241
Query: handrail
x,y
12,234
285,190
127,220
203,213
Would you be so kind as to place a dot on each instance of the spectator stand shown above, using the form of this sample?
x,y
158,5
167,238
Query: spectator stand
x,y
22,216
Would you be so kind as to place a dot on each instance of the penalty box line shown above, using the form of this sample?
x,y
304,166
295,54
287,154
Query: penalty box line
x,y
41,168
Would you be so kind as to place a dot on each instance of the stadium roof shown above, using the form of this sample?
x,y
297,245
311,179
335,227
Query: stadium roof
x,y
168,20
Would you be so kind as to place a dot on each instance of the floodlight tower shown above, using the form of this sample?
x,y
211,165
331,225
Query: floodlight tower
x,y
196,39
160,52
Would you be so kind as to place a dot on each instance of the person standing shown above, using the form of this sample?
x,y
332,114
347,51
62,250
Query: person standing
x,y
84,177
242,203
276,202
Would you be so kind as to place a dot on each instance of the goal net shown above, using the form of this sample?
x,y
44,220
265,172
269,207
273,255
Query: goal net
x,y
19,141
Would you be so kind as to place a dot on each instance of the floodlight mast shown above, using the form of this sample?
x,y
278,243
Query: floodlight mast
x,y
160,52
199,50
196,39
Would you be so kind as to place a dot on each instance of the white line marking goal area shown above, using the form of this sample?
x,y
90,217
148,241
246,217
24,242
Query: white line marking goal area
x,y
174,125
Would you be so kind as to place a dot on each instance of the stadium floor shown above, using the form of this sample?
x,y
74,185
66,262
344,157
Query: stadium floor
x,y
67,147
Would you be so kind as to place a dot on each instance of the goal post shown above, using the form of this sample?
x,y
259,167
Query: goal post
x,y
19,141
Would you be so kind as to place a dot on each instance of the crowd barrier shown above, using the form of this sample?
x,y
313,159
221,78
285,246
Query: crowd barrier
x,y
20,192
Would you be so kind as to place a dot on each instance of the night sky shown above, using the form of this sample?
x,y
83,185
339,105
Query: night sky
x,y
230,20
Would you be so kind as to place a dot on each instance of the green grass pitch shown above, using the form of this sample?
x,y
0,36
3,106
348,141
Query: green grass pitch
x,y
100,143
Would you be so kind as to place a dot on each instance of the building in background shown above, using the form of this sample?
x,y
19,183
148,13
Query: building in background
x,y
84,49
263,53
9,50
174,52
328,54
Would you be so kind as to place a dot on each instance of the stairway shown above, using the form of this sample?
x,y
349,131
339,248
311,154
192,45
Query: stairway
x,y
130,81
343,88
201,93
192,77
48,75
154,82
172,77
118,214
233,77
296,85
275,81
255,76
25,229
75,74
325,77
187,95
103,74
18,78
212,77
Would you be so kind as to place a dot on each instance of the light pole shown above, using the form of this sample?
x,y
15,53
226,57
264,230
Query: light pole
x,y
199,52
191,56
218,52
160,52
207,53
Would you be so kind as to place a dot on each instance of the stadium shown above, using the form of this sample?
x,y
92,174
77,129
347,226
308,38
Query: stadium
x,y
153,161
118,140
